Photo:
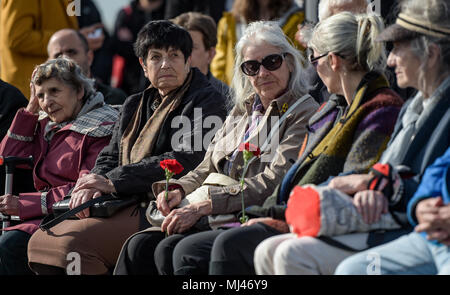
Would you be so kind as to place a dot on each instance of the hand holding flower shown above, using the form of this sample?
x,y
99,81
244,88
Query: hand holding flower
x,y
171,168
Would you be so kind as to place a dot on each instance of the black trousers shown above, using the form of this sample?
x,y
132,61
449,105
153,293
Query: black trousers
x,y
218,252
13,253
142,253
137,255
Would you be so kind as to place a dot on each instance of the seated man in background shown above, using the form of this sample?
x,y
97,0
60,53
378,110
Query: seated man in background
x,y
72,44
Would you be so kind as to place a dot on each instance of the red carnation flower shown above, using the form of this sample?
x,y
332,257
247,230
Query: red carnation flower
x,y
172,165
250,148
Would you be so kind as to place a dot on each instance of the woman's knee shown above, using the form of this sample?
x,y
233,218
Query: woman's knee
x,y
13,242
353,265
164,253
192,254
143,245
293,254
227,245
263,257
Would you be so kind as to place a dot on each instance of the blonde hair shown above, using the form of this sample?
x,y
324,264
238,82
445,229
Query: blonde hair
x,y
352,37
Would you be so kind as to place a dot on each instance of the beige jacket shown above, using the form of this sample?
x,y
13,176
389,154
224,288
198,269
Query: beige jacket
x,y
265,173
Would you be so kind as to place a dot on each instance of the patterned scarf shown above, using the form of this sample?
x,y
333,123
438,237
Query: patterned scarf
x,y
257,114
331,154
137,144
95,101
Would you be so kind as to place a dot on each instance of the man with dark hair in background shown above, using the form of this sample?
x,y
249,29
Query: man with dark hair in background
x,y
72,44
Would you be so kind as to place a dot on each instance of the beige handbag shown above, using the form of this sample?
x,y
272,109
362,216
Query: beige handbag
x,y
155,217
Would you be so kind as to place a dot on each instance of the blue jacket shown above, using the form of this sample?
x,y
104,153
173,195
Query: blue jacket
x,y
435,182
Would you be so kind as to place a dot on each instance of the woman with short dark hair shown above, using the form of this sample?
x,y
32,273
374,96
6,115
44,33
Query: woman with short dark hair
x,y
180,96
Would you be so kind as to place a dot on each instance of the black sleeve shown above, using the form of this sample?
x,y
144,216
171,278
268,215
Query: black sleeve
x,y
123,48
11,99
138,177
176,7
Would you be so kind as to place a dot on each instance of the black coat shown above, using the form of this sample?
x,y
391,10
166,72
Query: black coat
x,y
11,99
138,177
213,8
132,18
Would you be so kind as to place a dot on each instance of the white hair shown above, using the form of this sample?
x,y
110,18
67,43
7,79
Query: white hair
x,y
267,32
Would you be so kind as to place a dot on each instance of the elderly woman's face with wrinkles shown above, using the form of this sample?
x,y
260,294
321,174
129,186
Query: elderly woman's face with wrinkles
x,y
60,101
267,84
166,69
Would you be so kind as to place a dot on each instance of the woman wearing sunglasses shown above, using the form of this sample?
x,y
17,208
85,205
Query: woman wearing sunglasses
x,y
269,96
348,133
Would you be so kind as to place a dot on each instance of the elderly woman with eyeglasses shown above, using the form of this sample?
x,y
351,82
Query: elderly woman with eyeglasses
x,y
270,96
348,133
421,58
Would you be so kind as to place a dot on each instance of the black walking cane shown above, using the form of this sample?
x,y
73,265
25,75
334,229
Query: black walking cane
x,y
10,165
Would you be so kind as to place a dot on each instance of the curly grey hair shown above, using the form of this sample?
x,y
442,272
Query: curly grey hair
x,y
66,71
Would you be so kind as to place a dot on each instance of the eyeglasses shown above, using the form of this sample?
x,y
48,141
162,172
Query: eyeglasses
x,y
271,63
313,60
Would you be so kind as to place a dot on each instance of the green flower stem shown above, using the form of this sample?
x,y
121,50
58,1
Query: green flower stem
x,y
244,217
168,177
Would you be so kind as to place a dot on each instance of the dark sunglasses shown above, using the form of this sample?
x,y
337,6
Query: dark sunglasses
x,y
271,63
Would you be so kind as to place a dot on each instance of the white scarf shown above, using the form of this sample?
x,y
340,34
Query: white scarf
x,y
412,121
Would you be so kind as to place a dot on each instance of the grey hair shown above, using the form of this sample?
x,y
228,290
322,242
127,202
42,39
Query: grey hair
x,y
436,12
357,6
268,32
66,71
353,37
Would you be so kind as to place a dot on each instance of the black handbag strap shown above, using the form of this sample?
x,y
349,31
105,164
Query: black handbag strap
x,y
337,244
48,222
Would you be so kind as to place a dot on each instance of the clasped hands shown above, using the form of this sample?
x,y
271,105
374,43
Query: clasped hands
x,y
179,220
89,186
434,219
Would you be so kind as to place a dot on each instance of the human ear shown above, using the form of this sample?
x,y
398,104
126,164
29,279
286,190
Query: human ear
x,y
141,61
433,56
80,94
211,54
188,64
334,61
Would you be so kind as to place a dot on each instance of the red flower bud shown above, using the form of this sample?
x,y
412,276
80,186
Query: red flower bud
x,y
251,148
172,165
